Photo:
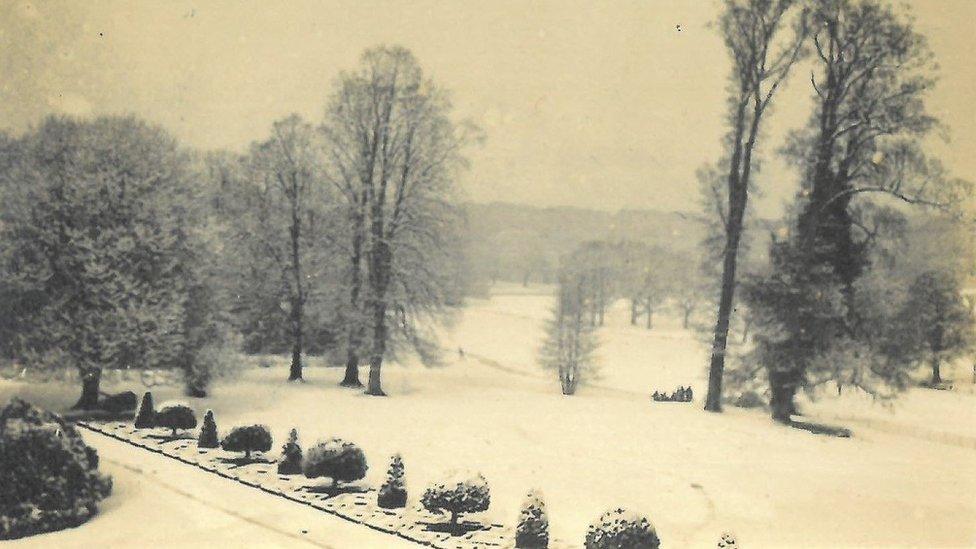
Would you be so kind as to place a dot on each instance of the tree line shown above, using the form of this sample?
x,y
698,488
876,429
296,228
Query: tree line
x,y
124,249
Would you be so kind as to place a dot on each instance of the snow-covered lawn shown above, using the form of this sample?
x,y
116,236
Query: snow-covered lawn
x,y
695,474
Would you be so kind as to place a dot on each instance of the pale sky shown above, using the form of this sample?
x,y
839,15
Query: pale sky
x,y
598,104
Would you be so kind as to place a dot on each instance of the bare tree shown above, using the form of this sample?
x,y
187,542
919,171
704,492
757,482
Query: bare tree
x,y
570,338
394,154
278,218
763,51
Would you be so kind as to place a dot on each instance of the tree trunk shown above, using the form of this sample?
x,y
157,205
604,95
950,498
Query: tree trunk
x,y
295,373
379,277
686,320
781,402
351,378
90,379
936,373
298,294
353,339
374,386
716,368
650,315
454,521
633,312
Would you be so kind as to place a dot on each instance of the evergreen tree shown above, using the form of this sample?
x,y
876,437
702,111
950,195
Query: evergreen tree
x,y
146,417
393,493
290,462
208,432
532,531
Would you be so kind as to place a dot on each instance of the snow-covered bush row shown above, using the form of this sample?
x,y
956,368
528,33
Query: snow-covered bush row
x,y
459,494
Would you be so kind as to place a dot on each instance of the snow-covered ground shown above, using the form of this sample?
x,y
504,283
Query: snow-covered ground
x,y
906,479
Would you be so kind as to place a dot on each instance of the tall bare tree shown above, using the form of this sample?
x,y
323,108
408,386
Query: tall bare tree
x,y
280,216
394,154
763,48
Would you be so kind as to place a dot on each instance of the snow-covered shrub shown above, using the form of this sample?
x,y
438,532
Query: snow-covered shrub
x,y
727,541
619,528
208,433
462,493
532,531
176,417
393,493
251,438
291,456
146,417
337,459
49,478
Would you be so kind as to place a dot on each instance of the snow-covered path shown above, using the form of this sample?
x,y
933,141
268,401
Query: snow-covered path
x,y
176,505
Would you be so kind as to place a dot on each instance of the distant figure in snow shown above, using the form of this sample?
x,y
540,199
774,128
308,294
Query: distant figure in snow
x,y
461,353
656,396
689,395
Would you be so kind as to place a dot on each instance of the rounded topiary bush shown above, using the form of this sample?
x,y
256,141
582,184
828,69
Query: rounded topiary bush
x,y
146,417
208,433
252,438
49,478
176,417
619,528
532,530
337,459
393,493
461,493
291,456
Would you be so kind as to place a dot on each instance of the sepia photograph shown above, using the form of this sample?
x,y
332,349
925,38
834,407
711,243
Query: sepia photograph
x,y
516,274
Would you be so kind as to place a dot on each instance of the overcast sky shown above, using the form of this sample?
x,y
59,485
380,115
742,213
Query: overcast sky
x,y
598,104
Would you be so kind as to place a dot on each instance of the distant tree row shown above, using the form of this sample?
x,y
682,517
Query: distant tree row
x,y
595,276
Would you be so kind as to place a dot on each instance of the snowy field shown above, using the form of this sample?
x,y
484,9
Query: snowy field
x,y
906,479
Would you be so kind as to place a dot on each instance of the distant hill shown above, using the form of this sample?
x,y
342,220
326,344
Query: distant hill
x,y
519,243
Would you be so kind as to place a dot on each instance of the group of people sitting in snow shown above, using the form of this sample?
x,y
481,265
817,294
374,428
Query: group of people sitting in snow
x,y
682,394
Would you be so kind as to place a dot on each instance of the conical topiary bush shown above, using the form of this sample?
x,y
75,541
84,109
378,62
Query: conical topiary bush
x,y
532,531
291,456
208,433
393,493
146,417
